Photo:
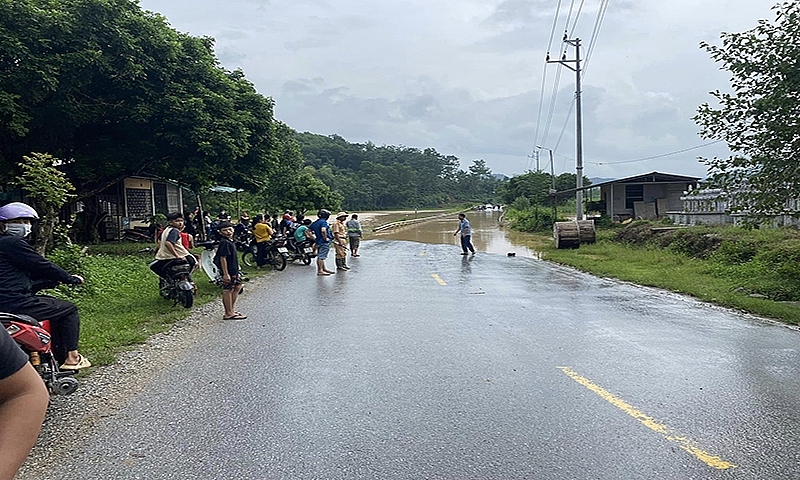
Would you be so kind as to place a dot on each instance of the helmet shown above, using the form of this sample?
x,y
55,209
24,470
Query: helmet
x,y
341,214
324,214
16,210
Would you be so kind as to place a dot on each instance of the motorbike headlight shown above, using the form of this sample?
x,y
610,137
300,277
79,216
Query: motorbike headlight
x,y
12,329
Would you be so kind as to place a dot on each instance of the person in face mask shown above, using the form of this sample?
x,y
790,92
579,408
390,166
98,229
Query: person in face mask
x,y
20,265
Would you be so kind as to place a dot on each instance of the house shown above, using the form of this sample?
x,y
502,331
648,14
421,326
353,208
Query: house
x,y
649,195
712,206
131,203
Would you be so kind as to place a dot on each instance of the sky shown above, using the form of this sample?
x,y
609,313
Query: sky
x,y
469,77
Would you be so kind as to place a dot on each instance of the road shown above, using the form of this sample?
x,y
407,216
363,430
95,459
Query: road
x,y
421,363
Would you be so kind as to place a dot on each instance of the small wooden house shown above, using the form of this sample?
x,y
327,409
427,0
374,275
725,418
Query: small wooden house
x,y
649,195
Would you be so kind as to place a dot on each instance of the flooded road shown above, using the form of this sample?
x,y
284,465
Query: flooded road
x,y
488,236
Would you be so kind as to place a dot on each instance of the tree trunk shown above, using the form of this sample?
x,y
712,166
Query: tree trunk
x,y
47,225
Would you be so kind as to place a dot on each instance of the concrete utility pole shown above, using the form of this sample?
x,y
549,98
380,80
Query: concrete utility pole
x,y
578,119
553,182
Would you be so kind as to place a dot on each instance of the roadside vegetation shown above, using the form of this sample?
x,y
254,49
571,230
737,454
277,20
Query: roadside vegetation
x,y
119,304
752,270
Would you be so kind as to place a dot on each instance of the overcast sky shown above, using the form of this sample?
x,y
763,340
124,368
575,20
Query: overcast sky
x,y
465,77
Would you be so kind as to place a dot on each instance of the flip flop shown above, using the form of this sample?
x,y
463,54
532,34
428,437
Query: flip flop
x,y
82,363
235,316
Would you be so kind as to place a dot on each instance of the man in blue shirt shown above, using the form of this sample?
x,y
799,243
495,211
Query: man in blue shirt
x,y
466,234
323,233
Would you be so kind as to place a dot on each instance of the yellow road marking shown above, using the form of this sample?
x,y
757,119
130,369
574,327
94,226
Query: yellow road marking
x,y
668,433
438,279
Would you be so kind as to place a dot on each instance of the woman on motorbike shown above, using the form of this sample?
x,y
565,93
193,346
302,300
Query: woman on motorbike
x,y
20,267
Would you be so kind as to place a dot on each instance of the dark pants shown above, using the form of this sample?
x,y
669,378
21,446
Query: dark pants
x,y
466,243
64,321
159,266
261,253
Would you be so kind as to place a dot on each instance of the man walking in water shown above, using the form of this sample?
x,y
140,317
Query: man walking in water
x,y
466,234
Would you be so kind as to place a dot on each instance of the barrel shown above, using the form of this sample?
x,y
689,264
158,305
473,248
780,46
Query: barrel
x,y
573,234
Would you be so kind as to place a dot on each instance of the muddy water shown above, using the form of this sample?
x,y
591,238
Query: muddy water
x,y
487,235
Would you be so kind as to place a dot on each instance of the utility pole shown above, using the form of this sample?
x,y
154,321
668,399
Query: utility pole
x,y
578,119
553,183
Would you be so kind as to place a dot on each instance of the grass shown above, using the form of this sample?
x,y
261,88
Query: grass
x,y
739,284
120,305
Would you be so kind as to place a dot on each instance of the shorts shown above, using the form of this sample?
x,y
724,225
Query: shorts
x,y
355,242
322,250
232,284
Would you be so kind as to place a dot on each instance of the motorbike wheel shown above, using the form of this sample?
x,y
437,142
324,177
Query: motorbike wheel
x,y
306,259
186,298
278,262
249,259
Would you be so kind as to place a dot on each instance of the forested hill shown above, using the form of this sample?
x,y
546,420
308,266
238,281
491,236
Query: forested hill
x,y
380,177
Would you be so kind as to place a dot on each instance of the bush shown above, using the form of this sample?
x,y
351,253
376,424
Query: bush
x,y
534,219
734,252
521,203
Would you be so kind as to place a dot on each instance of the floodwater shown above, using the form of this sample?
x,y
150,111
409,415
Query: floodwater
x,y
487,234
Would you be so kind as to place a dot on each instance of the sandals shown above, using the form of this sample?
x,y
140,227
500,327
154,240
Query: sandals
x,y
82,363
235,316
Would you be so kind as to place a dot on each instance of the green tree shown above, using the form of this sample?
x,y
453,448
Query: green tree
x,y
115,91
49,189
759,118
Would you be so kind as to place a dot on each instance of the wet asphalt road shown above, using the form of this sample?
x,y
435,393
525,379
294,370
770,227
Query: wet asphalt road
x,y
421,363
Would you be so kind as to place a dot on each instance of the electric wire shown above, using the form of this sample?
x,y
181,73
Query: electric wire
x,y
577,16
601,13
657,156
544,76
553,98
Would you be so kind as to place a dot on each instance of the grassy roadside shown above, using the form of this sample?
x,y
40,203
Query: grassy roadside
x,y
120,306
751,271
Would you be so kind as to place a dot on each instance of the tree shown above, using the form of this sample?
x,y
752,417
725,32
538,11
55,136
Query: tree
x,y
49,189
760,118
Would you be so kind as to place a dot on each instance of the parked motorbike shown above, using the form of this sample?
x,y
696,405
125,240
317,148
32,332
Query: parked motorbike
x,y
276,253
207,263
302,251
175,282
34,338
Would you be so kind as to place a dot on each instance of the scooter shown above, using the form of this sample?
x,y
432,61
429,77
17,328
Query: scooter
x,y
207,263
176,283
34,338
276,253
302,251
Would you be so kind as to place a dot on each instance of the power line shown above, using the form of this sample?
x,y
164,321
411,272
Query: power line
x,y
544,76
658,156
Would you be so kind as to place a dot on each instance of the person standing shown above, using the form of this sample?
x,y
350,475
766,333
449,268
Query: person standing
x,y
354,234
263,234
466,234
321,230
228,264
339,230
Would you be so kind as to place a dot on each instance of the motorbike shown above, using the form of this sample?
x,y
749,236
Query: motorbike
x,y
208,266
34,338
276,253
302,251
175,282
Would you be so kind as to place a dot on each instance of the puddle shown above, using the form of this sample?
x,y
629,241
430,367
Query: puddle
x,y
487,234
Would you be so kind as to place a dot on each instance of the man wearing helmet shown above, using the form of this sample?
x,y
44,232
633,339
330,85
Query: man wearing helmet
x,y
20,266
